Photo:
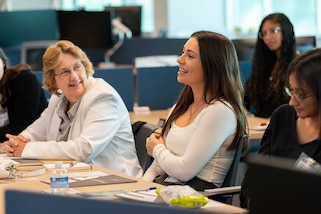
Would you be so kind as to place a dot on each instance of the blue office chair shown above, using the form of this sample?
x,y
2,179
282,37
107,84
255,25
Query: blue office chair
x,y
245,69
39,75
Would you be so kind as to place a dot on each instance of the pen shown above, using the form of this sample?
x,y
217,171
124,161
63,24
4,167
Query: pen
x,y
140,190
73,163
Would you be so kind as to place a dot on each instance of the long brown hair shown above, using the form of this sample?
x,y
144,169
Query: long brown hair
x,y
222,81
261,85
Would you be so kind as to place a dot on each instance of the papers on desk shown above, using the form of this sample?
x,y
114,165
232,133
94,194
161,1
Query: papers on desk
x,y
146,196
21,164
259,127
94,178
77,166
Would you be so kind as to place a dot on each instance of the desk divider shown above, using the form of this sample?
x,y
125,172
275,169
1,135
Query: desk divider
x,y
122,79
157,87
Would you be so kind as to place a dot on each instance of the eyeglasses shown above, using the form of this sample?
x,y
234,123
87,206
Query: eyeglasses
x,y
272,31
299,97
78,67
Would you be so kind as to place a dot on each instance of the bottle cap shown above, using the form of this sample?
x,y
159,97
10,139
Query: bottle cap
x,y
58,164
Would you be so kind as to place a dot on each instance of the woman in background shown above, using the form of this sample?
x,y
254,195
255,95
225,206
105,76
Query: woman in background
x,y
203,129
275,49
21,97
295,127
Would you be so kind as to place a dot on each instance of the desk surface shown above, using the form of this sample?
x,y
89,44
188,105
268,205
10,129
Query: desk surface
x,y
35,184
154,116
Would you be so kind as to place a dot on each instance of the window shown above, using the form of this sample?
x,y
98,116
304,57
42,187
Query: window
x,y
248,15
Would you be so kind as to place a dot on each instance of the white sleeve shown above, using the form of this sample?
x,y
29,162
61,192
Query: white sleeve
x,y
97,125
153,171
216,124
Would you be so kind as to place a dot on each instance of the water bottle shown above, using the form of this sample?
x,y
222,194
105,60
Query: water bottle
x,y
59,180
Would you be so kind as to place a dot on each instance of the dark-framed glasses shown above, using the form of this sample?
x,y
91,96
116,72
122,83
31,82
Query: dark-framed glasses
x,y
297,96
272,31
78,67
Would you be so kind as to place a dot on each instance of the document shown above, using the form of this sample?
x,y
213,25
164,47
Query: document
x,y
108,179
94,178
69,166
144,195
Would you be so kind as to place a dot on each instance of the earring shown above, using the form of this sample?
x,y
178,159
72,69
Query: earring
x,y
59,91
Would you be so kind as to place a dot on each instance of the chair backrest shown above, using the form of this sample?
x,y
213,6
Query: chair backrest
x,y
141,131
230,178
231,174
39,75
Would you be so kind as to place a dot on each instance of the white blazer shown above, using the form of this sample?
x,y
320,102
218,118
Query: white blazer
x,y
100,133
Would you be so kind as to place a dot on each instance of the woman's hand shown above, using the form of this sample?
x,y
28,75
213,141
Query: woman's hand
x,y
14,145
153,140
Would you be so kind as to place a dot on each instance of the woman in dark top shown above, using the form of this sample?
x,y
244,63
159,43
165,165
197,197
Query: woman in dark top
x,y
275,49
295,127
21,97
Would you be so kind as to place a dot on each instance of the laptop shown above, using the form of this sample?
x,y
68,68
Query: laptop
x,y
275,186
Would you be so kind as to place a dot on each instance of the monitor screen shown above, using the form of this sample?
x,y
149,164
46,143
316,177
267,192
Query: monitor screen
x,y
31,25
130,16
245,48
305,43
86,29
275,186
32,52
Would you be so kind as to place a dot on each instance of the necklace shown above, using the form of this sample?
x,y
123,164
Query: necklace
x,y
191,113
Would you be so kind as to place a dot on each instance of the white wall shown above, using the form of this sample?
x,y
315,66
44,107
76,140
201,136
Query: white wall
x,y
32,4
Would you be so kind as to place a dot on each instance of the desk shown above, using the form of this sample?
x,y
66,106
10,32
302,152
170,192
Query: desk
x,y
35,184
154,116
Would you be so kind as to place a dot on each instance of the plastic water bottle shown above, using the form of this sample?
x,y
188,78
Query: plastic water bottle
x,y
59,183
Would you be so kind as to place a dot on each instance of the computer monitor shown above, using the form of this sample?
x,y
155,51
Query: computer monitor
x,y
276,186
90,30
31,53
31,25
86,29
245,48
305,43
130,16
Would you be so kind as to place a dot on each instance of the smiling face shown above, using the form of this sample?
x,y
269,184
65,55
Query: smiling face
x,y
71,77
190,65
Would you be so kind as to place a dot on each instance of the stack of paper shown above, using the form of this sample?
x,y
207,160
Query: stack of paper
x,y
68,166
